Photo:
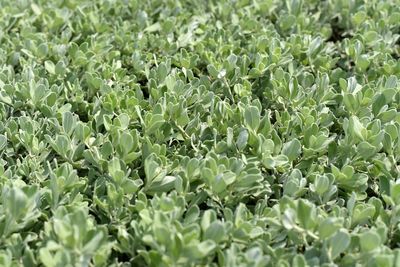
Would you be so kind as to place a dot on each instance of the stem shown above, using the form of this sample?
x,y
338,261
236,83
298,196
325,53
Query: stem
x,y
311,234
229,89
182,131
1,101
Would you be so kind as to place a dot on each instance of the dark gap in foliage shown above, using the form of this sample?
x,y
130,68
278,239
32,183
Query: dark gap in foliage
x,y
338,33
273,117
82,115
202,67
396,52
144,88
121,257
17,68
81,111
250,202
301,249
203,205
371,193
99,216
101,129
82,172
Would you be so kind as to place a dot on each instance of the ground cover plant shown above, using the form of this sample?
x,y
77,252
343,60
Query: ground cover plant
x,y
199,133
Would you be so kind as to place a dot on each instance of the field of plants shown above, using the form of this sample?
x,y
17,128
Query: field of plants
x,y
199,133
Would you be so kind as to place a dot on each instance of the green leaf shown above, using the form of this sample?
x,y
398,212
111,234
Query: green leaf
x,y
252,118
156,121
356,128
328,227
93,244
151,168
366,150
369,241
378,103
68,122
321,184
391,82
371,36
292,149
15,202
47,258
162,72
60,68
359,17
242,139
164,183
205,248
212,71
50,67
338,243
3,142
215,231
306,215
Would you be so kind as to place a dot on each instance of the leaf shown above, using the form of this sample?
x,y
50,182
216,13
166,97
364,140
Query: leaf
x,y
371,36
215,231
359,17
153,28
15,202
339,243
328,227
131,186
3,142
62,145
252,118
242,139
162,72
391,82
366,150
46,258
321,184
50,67
205,248
292,149
377,105
60,68
272,162
351,102
212,71
164,184
306,215
287,22
127,143
356,128
288,219
156,121
192,214
369,241
68,122
93,244
151,168
114,168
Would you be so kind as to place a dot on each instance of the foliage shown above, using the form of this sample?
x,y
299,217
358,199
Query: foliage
x,y
199,133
